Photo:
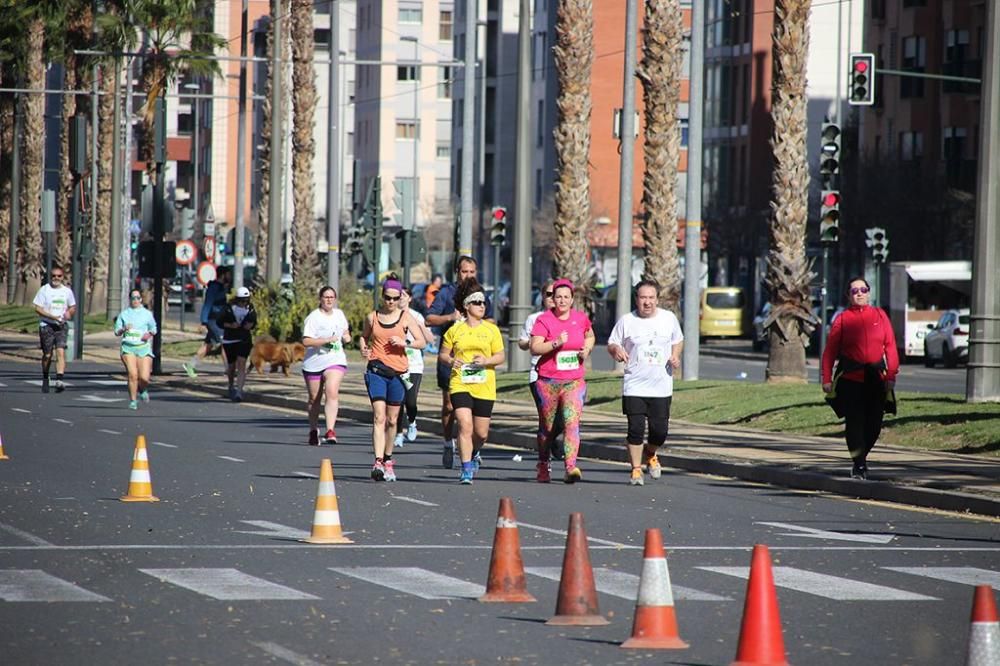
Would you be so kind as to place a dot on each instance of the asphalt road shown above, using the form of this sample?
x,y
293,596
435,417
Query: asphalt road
x,y
214,573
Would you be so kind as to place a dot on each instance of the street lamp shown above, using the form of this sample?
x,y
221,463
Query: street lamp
x,y
196,153
416,123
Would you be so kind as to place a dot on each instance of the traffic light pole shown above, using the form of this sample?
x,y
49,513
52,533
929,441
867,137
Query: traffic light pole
x,y
159,151
824,299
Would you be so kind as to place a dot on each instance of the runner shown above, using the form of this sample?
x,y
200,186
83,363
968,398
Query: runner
x,y
384,343
324,334
408,414
524,342
441,315
472,348
648,341
214,303
55,305
237,322
563,338
136,327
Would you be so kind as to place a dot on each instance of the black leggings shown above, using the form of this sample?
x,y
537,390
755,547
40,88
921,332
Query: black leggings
x,y
864,405
408,414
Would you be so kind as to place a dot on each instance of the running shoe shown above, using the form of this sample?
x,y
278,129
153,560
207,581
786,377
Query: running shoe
x,y
378,471
636,478
411,432
466,478
653,467
133,404
542,474
399,440
859,471
144,396
330,437
477,460
45,384
573,474
231,393
59,386
448,454
390,470
313,438
189,369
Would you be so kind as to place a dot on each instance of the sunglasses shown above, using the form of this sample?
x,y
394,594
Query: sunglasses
x,y
859,290
390,298
135,298
57,276
548,294
477,302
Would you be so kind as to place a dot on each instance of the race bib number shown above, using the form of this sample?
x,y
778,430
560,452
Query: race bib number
x,y
567,360
133,337
473,374
332,347
651,355
412,353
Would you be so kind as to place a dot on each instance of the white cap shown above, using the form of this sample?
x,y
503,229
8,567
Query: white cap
x,y
242,292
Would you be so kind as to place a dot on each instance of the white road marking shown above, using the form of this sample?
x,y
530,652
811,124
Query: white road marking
x,y
2,385
108,432
285,654
169,446
308,475
38,382
36,585
108,382
624,585
226,584
63,421
269,529
413,500
416,581
27,536
961,575
453,546
90,397
540,528
828,587
18,409
58,499
230,458
812,533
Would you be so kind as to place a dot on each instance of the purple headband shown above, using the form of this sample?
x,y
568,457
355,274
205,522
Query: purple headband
x,y
562,282
392,284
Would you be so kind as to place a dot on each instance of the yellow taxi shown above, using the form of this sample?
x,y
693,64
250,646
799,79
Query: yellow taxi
x,y
723,312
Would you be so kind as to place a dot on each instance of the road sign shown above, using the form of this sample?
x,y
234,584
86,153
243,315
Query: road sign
x,y
205,273
209,247
208,229
185,252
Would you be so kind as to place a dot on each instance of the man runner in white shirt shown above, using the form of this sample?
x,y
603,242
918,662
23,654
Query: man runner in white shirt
x,y
55,305
648,341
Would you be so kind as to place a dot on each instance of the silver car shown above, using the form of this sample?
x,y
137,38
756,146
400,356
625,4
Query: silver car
x,y
948,341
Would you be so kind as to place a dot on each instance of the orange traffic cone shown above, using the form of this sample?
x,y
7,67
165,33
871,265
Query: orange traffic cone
x,y
984,634
3,456
761,643
577,603
506,582
655,624
326,519
140,487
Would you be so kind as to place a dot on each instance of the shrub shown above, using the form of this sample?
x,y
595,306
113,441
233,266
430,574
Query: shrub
x,y
281,310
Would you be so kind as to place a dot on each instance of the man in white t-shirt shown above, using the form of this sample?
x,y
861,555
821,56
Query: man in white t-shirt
x,y
55,305
648,341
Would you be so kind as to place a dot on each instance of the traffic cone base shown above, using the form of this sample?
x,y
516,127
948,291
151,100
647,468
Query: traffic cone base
x,y
761,642
577,601
326,518
140,486
655,623
506,582
984,632
660,622
578,621
3,456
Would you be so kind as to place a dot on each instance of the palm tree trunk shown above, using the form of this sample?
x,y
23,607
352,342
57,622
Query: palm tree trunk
x,y
788,269
574,55
6,159
660,73
64,222
33,161
102,228
305,263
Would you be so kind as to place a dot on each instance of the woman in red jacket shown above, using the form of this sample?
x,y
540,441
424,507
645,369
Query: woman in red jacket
x,y
862,343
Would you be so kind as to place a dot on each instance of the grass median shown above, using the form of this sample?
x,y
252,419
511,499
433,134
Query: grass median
x,y
23,319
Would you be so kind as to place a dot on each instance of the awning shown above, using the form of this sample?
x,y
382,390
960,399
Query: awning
x,y
939,271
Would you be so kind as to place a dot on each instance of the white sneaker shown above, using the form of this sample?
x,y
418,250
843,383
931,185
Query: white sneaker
x,y
411,432
399,440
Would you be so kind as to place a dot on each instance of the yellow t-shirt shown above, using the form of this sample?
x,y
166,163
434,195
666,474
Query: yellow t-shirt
x,y
467,342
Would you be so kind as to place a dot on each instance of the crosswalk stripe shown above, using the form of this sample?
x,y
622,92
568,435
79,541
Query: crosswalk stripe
x,y
63,421
108,382
828,587
285,654
36,585
274,530
230,458
108,432
226,584
416,581
961,575
18,409
624,585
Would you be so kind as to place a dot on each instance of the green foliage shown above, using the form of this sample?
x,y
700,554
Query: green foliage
x,y
356,302
281,309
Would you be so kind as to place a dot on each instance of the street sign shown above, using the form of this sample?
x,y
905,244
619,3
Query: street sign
x,y
208,245
208,229
135,227
185,252
205,273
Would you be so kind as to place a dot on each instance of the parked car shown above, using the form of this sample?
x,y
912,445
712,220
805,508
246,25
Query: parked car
x,y
185,295
723,310
760,335
948,341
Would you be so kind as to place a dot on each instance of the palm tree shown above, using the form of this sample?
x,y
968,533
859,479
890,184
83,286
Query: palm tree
x,y
6,163
574,55
305,263
788,270
32,158
660,73
102,208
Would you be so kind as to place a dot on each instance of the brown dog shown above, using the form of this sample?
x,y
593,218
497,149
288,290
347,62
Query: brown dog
x,y
277,354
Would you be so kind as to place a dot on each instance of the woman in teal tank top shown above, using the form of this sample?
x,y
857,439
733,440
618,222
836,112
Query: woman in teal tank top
x,y
136,327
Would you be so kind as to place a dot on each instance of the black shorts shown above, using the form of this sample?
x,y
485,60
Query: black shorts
x,y
655,411
52,337
237,349
481,408
443,376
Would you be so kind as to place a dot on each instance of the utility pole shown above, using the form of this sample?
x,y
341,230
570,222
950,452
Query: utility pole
x,y
241,160
116,238
468,131
15,199
275,220
692,215
520,296
983,374
623,289
333,155
159,201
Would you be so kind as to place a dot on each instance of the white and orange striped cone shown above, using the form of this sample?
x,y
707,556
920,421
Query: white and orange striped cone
x,y
140,487
655,623
984,633
326,519
3,456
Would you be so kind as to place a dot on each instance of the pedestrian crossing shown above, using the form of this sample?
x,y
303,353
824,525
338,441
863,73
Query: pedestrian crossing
x,y
229,584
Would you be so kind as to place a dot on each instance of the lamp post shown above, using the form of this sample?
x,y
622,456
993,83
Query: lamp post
x,y
196,154
416,126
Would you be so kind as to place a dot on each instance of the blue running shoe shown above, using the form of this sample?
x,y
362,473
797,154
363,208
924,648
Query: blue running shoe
x,y
466,478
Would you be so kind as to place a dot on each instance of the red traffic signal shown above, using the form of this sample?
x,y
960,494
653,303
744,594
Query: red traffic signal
x,y
499,214
861,87
831,199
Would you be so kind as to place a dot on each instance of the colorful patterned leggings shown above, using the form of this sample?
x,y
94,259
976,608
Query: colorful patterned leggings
x,y
566,398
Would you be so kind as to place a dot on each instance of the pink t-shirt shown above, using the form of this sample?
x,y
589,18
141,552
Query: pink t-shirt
x,y
562,364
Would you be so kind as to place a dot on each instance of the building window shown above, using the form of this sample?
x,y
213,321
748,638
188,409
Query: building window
x,y
322,38
540,124
878,9
914,60
538,188
407,129
185,124
445,26
351,89
349,142
914,3
443,150
411,15
684,132
911,146
352,40
444,83
408,73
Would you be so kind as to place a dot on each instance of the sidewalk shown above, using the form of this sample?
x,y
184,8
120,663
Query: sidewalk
x,y
953,482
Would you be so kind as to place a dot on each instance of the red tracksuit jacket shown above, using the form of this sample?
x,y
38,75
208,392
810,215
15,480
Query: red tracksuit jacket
x,y
862,333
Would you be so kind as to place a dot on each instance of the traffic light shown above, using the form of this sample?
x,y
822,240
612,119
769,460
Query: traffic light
x,y
829,217
829,158
861,73
355,241
135,243
879,243
498,228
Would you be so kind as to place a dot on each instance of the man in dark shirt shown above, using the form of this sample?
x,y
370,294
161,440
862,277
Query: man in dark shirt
x,y
216,293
